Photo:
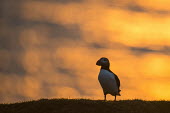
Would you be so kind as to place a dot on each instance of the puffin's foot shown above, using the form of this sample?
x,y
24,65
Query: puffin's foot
x,y
115,98
104,97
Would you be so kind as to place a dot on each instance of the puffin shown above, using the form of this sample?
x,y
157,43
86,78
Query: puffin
x,y
108,80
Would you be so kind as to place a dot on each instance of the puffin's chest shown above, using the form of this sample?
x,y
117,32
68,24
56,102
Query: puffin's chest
x,y
105,75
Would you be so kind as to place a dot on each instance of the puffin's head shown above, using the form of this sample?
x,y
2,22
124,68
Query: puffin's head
x,y
103,62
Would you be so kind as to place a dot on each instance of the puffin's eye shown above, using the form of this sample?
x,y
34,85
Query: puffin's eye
x,y
105,59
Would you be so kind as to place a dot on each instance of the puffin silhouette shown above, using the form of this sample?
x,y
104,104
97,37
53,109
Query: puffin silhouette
x,y
109,81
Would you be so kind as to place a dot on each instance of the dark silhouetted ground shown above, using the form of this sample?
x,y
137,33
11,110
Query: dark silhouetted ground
x,y
86,106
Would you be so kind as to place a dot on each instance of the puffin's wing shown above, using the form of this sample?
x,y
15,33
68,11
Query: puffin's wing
x,y
117,79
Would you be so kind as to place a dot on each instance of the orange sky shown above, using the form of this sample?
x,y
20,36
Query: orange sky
x,y
61,42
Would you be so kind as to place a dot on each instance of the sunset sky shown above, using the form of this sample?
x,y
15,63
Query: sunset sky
x,y
49,48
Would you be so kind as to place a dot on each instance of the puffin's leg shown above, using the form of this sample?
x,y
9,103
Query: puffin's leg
x,y
115,98
104,97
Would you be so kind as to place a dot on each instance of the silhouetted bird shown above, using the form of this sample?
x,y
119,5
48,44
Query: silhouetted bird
x,y
108,80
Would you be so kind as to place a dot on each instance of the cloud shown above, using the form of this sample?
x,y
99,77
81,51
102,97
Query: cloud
x,y
154,4
48,49
143,51
61,1
137,25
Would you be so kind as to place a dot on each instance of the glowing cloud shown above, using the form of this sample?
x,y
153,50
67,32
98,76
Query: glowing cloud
x,y
57,65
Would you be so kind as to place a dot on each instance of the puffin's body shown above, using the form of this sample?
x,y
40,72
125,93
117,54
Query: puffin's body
x,y
108,80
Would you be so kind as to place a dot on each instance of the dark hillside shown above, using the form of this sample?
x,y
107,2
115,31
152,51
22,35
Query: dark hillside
x,y
86,106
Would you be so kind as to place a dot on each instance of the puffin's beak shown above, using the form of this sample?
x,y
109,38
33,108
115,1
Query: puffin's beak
x,y
98,63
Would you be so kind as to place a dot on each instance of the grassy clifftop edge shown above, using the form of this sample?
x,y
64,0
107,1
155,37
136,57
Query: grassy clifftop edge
x,y
86,106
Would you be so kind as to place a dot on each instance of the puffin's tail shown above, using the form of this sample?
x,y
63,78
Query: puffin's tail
x,y
119,92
